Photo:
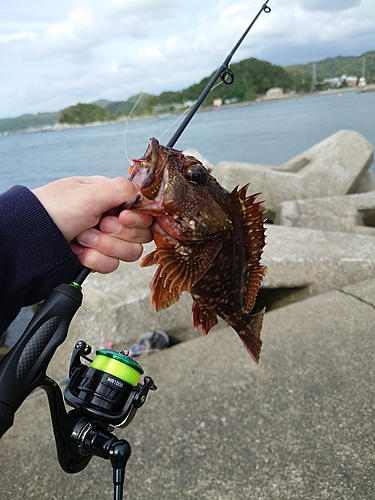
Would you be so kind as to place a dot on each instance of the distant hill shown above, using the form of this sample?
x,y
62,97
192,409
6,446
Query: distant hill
x,y
81,114
103,103
332,67
143,103
26,122
252,77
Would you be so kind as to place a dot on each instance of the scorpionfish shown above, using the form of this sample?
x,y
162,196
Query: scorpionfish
x,y
208,241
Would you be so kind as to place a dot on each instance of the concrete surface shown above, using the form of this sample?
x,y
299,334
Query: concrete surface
x,y
319,260
335,166
298,426
353,213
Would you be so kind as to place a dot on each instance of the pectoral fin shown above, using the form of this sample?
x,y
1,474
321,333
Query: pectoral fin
x,y
179,268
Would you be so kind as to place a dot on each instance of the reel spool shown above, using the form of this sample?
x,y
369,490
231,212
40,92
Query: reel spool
x,y
108,382
108,388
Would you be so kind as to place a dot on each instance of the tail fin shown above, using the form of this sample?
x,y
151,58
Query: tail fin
x,y
250,335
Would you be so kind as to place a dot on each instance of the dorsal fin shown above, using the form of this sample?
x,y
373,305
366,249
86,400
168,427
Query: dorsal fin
x,y
252,219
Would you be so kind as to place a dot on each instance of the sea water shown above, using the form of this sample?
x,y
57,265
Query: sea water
x,y
268,133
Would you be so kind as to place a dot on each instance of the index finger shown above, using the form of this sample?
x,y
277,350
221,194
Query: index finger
x,y
128,218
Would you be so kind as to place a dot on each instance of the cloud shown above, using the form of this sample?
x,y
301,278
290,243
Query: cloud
x,y
293,34
52,56
77,18
329,5
92,23
15,37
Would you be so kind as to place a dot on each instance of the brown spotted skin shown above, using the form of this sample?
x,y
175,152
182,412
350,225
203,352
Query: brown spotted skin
x,y
208,242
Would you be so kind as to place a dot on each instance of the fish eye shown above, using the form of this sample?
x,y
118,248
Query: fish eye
x,y
196,174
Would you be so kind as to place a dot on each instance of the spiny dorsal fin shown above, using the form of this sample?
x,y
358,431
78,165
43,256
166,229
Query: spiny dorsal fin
x,y
252,218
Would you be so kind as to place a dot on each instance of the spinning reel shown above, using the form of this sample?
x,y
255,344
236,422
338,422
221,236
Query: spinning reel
x,y
104,392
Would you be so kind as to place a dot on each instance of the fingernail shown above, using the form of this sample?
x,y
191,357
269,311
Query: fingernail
x,y
76,248
88,237
130,219
112,226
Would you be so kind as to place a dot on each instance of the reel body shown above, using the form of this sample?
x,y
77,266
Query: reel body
x,y
108,388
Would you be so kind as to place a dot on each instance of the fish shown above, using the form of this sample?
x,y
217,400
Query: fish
x,y
209,242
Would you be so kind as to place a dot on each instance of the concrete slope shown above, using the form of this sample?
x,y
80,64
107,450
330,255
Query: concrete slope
x,y
298,426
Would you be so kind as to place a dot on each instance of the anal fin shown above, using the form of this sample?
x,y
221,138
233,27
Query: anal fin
x,y
250,335
204,318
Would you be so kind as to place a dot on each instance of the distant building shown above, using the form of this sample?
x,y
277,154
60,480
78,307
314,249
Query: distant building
x,y
333,82
351,81
337,81
362,82
231,100
218,102
274,93
169,107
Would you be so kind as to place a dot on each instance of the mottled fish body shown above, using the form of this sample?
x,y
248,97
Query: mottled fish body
x,y
208,242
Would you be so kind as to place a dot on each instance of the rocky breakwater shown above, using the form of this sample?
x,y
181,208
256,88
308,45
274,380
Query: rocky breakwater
x,y
298,426
321,237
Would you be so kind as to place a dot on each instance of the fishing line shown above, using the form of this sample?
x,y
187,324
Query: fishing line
x,y
126,126
224,79
185,112
176,121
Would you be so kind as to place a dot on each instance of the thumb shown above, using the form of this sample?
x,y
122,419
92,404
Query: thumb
x,y
103,194
77,203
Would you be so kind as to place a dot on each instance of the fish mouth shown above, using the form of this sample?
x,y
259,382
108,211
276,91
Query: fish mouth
x,y
147,172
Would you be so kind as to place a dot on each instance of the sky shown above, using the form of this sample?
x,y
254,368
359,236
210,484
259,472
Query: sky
x,y
56,53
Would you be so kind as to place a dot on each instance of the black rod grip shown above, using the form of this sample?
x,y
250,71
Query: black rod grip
x,y
24,367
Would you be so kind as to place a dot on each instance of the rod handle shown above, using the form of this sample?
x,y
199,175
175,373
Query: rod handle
x,y
24,367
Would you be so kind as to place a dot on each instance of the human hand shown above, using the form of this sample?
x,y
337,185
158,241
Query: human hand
x,y
77,205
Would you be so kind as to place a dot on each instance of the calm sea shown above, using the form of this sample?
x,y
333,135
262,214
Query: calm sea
x,y
269,133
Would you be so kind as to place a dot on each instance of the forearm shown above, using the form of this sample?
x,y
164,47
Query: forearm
x,y
34,255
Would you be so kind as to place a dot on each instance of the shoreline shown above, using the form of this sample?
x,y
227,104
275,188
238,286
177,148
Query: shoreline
x,y
60,127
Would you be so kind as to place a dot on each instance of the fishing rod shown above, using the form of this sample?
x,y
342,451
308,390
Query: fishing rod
x,y
104,393
223,72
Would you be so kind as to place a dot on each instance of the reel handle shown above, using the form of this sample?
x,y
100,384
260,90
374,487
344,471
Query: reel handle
x,y
24,367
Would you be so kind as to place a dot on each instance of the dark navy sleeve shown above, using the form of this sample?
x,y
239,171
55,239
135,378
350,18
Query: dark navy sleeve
x,y
34,255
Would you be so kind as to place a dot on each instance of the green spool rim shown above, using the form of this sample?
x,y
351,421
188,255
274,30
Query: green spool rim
x,y
120,357
122,369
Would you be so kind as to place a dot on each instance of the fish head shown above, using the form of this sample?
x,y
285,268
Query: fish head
x,y
180,192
